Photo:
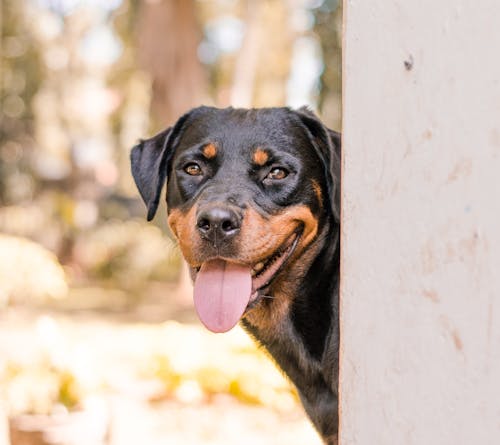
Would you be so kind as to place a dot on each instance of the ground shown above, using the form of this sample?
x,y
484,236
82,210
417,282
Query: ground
x,y
135,379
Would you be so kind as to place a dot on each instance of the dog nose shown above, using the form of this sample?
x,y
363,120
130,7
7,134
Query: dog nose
x,y
218,224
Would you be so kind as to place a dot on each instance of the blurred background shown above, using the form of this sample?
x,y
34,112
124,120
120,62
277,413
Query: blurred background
x,y
99,343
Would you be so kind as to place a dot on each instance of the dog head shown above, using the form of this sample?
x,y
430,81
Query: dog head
x,y
250,196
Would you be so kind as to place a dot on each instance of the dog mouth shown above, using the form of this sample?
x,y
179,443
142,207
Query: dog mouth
x,y
225,290
264,272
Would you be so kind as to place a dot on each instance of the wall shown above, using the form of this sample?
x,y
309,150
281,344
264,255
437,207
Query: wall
x,y
420,291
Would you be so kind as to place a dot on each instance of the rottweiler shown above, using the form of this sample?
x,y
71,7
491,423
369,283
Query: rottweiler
x,y
253,199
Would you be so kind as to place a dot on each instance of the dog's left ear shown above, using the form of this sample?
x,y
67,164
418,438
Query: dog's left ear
x,y
149,160
327,144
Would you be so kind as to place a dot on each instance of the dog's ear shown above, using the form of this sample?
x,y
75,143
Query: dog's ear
x,y
327,144
149,160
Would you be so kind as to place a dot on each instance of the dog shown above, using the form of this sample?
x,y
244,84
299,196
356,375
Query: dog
x,y
253,198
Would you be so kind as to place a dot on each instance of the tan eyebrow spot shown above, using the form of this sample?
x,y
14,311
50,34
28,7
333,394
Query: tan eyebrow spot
x,y
210,151
260,157
317,191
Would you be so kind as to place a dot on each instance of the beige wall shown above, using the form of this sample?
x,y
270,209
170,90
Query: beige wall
x,y
420,356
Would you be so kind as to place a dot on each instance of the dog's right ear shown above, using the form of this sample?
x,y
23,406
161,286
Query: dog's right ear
x,y
149,160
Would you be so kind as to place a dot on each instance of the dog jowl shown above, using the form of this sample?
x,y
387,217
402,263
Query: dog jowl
x,y
253,200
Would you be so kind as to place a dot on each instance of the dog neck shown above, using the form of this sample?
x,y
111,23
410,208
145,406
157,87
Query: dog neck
x,y
304,337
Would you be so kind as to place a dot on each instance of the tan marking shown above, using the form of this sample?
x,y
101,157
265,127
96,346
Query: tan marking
x,y
317,191
260,157
268,318
183,226
210,151
259,238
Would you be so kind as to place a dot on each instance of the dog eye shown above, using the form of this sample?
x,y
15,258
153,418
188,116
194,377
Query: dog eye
x,y
277,173
193,169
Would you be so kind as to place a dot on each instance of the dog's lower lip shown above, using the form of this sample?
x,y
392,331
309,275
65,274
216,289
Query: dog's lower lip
x,y
282,255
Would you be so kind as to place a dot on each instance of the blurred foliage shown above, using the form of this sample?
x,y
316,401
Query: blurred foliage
x,y
230,365
248,375
39,388
328,25
81,82
130,252
21,70
29,272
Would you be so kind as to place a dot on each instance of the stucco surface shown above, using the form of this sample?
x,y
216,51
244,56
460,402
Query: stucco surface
x,y
420,290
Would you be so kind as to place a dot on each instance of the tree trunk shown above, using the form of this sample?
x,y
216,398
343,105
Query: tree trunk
x,y
167,47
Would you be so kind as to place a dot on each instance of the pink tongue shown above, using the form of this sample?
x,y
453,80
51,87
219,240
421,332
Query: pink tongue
x,y
221,294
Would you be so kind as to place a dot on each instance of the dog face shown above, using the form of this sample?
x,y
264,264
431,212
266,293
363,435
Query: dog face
x,y
249,195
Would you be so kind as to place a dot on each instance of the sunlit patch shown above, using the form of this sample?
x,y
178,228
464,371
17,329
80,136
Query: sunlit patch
x,y
29,272
260,157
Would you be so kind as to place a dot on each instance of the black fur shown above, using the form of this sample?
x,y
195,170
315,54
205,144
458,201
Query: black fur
x,y
305,344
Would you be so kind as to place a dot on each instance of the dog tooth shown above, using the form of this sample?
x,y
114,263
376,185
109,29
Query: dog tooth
x,y
258,267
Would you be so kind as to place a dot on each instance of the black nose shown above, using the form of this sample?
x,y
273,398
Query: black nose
x,y
218,223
